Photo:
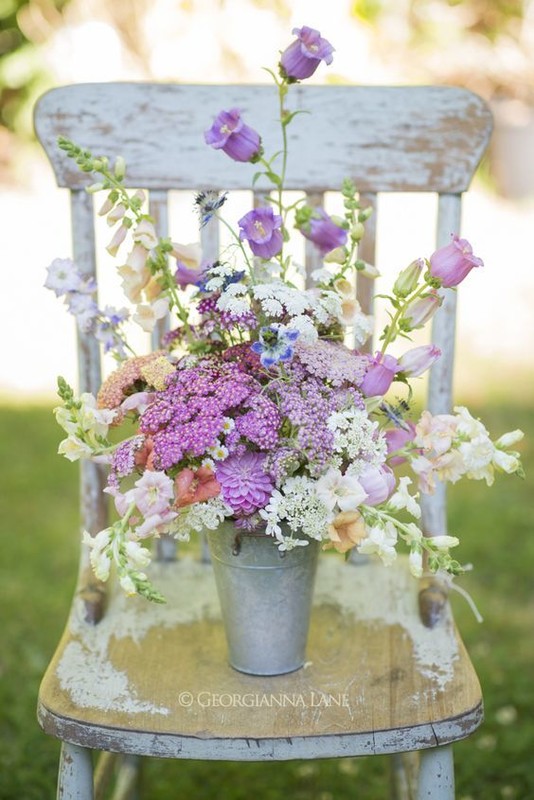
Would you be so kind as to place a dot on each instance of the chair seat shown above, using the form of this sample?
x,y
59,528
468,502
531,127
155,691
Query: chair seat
x,y
154,680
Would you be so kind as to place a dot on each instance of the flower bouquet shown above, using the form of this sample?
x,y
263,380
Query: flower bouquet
x,y
255,418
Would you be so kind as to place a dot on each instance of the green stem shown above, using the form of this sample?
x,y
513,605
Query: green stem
x,y
392,327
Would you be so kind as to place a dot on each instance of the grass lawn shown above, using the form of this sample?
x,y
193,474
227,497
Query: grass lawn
x,y
38,509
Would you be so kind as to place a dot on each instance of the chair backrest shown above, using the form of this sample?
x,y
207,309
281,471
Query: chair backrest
x,y
387,139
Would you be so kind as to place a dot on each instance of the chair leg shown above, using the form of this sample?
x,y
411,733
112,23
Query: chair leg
x,y
75,781
436,774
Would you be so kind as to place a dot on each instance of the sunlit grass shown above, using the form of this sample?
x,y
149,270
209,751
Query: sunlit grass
x,y
38,506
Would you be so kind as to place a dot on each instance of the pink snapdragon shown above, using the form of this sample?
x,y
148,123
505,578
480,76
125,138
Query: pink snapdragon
x,y
452,263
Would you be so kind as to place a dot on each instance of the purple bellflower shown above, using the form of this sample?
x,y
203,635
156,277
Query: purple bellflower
x,y
230,134
379,376
452,263
262,230
303,56
323,232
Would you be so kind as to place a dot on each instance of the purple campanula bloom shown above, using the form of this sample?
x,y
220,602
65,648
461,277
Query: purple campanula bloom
x,y
323,232
379,376
262,230
303,56
452,263
230,134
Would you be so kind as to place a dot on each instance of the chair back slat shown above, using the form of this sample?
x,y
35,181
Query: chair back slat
x,y
159,210
426,138
365,287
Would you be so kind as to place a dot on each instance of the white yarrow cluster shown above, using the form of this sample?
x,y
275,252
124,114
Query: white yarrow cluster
x,y
358,439
297,508
199,516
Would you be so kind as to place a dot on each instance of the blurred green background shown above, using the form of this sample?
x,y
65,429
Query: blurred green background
x,y
484,46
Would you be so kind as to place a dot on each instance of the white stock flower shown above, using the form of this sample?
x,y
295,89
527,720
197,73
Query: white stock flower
x,y
467,424
66,419
380,541
403,499
73,448
99,558
137,555
478,456
510,438
444,542
345,491
508,462
127,584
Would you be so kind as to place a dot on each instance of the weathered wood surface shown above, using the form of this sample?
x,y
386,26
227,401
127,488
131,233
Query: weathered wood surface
x,y
153,680
385,138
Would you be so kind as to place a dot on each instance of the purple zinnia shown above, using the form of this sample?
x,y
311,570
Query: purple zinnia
x,y
262,230
323,232
245,486
303,56
230,134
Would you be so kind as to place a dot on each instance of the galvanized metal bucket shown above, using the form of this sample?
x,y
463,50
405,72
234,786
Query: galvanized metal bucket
x,y
265,598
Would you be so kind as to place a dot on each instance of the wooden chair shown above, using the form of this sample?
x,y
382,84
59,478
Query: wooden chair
x,y
136,679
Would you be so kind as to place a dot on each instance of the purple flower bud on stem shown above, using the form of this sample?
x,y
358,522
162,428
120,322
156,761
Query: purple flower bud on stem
x,y
417,360
419,311
303,56
230,134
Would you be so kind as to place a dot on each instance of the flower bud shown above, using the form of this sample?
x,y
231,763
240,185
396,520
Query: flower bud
x,y
419,311
408,279
510,438
336,256
120,168
117,240
367,270
417,360
357,231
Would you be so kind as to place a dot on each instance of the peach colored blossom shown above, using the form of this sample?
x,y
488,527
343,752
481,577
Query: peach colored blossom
x,y
346,531
195,486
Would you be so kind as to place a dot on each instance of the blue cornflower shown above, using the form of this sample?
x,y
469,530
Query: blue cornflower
x,y
275,345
